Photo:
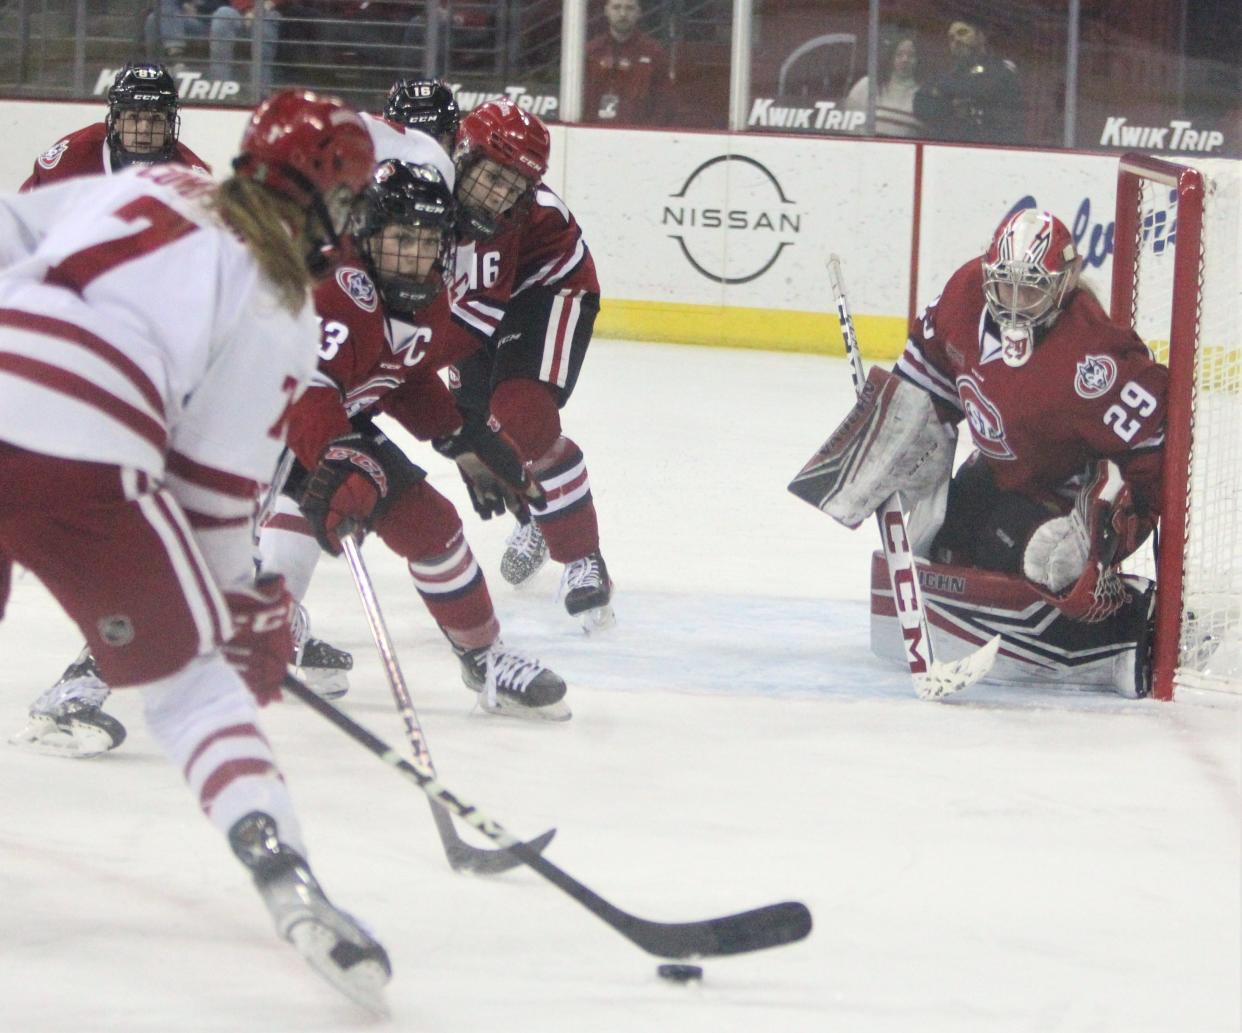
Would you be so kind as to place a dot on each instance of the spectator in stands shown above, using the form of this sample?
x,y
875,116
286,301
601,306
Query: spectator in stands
x,y
628,79
233,23
979,99
171,23
894,100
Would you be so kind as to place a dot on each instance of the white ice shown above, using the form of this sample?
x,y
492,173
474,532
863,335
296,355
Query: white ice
x,y
1010,860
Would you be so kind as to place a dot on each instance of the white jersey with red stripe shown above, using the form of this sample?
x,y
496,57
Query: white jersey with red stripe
x,y
544,249
393,141
136,330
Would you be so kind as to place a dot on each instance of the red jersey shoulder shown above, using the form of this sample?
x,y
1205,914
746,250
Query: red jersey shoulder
x,y
961,302
81,153
351,324
185,156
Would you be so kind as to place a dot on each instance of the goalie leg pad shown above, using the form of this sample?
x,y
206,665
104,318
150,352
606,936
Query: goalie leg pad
x,y
966,606
891,441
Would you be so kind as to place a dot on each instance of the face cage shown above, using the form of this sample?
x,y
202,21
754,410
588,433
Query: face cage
x,y
405,294
326,219
1002,281
121,154
478,205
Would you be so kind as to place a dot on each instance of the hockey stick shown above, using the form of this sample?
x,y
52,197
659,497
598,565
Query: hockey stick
x,y
932,679
757,929
461,855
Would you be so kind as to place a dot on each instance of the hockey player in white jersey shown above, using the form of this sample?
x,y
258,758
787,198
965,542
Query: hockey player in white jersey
x,y
141,412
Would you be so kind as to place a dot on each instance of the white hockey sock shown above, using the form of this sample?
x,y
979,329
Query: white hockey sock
x,y
205,720
287,546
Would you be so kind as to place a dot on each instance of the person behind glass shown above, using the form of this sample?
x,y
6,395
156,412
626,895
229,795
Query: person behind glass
x,y
894,100
171,23
628,79
979,99
233,23
141,128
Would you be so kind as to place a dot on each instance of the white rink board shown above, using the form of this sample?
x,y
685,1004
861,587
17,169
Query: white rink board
x,y
787,201
854,197
967,192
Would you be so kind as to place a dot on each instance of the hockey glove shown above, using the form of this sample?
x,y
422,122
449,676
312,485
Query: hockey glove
x,y
495,477
262,641
1071,559
358,476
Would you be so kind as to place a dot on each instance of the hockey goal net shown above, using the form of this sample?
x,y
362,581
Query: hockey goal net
x,y
1177,280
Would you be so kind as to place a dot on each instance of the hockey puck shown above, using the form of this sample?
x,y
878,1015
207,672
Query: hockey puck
x,y
679,973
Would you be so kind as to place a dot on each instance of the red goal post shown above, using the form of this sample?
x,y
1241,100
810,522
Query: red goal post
x,y
1176,280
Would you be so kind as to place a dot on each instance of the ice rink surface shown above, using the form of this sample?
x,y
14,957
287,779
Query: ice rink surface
x,y
1012,860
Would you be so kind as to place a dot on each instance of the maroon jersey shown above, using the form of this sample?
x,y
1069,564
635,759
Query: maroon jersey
x,y
369,360
544,249
84,152
626,82
1090,389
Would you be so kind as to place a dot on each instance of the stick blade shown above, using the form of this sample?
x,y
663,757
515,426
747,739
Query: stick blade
x,y
463,857
947,679
755,930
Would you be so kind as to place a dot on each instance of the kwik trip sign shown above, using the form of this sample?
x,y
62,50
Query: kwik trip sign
x,y
732,219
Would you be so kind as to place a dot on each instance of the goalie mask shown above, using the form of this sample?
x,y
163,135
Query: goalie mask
x,y
143,120
1028,272
404,227
501,156
427,105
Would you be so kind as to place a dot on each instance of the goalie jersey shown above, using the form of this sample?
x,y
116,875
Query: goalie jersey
x,y
1090,389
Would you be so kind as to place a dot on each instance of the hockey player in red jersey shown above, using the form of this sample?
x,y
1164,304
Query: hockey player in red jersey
x,y
526,292
384,323
163,400
1066,411
142,127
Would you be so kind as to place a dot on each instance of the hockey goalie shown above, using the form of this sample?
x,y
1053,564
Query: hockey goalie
x,y
1066,414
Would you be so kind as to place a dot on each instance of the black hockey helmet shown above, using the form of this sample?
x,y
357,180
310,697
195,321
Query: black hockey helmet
x,y
145,87
427,105
402,198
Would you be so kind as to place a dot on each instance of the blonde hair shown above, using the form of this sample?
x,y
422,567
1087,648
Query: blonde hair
x,y
270,226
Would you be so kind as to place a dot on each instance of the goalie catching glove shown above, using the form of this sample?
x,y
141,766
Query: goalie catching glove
x,y
358,477
262,639
891,441
495,477
1071,559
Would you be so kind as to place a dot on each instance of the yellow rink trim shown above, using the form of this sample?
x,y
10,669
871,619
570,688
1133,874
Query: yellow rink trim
x,y
881,337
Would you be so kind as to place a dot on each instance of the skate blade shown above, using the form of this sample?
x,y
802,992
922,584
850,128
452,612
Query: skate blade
x,y
558,711
362,983
599,619
79,742
325,682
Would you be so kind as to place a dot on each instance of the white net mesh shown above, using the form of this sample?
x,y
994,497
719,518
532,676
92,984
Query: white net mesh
x,y
1210,651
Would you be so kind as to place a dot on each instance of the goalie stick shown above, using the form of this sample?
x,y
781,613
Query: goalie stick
x,y
757,929
461,855
932,679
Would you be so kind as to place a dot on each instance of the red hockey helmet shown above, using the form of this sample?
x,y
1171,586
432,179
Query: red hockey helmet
x,y
312,148
1029,270
500,130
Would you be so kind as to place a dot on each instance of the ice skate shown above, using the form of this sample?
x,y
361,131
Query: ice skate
x,y
66,720
525,554
324,668
586,590
333,943
512,684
